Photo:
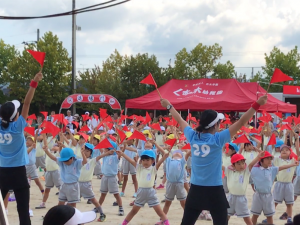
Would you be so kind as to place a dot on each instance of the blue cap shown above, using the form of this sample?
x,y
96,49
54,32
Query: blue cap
x,y
236,148
149,153
90,147
113,144
66,154
279,143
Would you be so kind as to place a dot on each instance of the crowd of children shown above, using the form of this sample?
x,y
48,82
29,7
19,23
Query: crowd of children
x,y
71,159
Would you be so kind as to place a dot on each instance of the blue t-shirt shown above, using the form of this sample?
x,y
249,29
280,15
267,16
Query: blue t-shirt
x,y
70,173
31,156
13,151
129,153
206,156
110,165
175,170
263,178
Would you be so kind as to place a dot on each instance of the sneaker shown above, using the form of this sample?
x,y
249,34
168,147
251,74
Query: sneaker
x,y
95,210
201,216
99,177
208,216
12,197
159,223
120,185
41,206
121,212
102,218
284,216
164,200
131,203
115,204
30,213
161,186
6,211
134,195
122,194
289,221
89,201
264,221
57,193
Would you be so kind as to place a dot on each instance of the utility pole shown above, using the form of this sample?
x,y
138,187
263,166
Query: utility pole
x,y
73,54
38,35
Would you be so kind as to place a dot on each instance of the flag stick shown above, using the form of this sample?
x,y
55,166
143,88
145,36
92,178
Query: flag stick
x,y
268,87
158,93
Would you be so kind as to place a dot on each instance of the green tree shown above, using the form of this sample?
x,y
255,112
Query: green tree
x,y
287,63
55,85
223,71
7,54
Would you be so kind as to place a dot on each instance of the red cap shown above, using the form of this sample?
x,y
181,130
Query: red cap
x,y
237,157
267,154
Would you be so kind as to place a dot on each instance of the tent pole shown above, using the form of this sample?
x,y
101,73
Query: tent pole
x,y
154,113
126,116
188,116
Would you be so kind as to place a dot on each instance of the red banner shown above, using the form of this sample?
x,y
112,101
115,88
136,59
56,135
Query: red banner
x,y
291,90
91,98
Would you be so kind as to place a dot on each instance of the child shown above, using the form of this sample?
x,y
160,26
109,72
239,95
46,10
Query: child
x,y
175,179
85,178
263,175
127,167
238,175
40,154
146,173
69,172
95,141
276,150
230,150
109,181
52,176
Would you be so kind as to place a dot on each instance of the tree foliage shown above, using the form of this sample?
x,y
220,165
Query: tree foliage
x,y
56,72
7,54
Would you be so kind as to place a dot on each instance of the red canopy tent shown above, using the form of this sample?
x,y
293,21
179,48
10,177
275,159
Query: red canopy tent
x,y
216,94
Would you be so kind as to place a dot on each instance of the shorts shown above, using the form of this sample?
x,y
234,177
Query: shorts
x,y
238,205
97,170
109,184
263,203
69,193
128,167
185,180
86,190
31,172
225,185
40,162
146,195
165,167
175,189
189,163
120,165
283,192
52,178
296,184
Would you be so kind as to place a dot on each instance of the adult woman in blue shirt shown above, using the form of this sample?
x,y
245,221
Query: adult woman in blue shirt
x,y
206,192
13,152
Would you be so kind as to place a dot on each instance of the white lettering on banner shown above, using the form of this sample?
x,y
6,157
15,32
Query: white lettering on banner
x,y
197,84
79,98
91,98
7,137
175,92
205,149
198,90
212,84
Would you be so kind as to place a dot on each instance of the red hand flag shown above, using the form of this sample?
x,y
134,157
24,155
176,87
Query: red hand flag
x,y
149,80
137,135
85,117
148,118
85,136
279,76
258,137
30,130
50,128
272,140
45,114
227,148
125,128
85,129
104,144
187,146
279,114
171,142
121,135
156,126
103,113
33,117
76,124
112,138
39,56
241,139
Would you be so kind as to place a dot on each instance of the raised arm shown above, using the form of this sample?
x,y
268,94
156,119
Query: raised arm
x,y
296,163
30,148
234,128
257,158
165,155
130,160
74,142
187,155
84,160
28,98
182,123
49,153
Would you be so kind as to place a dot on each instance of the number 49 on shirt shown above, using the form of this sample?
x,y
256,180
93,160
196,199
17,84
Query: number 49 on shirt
x,y
203,151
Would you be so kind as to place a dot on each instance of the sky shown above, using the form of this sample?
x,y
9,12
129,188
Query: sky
x,y
245,29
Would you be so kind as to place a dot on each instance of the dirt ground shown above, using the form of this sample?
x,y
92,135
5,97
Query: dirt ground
x,y
146,216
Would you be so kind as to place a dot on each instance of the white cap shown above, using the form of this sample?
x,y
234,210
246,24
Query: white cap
x,y
72,131
111,132
17,105
220,116
87,113
162,128
131,123
147,128
81,217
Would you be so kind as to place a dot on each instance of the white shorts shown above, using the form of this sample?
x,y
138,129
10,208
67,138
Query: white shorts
x,y
238,205
175,189
146,195
127,168
31,172
40,162
283,192
86,190
52,178
296,184
263,203
109,184
69,193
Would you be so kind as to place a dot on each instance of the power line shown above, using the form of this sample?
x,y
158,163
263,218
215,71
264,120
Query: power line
x,y
77,11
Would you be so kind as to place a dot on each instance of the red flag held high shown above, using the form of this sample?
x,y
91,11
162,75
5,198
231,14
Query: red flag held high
x,y
149,80
279,76
45,114
272,140
279,114
171,142
227,147
39,56
156,126
50,128
33,117
85,117
125,128
148,118
121,135
187,146
104,144
85,129
30,130
241,139
85,136
137,135
258,137
103,113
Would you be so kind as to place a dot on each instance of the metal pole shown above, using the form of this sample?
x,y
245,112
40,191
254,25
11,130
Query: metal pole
x,y
73,54
38,35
